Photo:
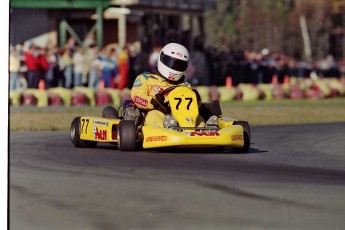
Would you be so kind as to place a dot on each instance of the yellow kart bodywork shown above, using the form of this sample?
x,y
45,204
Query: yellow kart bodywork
x,y
159,137
98,129
184,108
87,131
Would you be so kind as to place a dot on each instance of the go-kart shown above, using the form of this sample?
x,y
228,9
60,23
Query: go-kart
x,y
126,128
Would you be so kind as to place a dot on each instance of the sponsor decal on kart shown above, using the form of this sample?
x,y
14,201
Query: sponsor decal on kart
x,y
140,101
203,133
156,138
137,85
104,123
154,89
157,89
237,138
99,134
137,82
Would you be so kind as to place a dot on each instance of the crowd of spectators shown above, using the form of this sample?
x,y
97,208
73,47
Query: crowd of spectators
x,y
117,68
69,67
212,67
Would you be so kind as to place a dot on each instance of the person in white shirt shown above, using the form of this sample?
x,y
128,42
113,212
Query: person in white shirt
x,y
78,66
14,69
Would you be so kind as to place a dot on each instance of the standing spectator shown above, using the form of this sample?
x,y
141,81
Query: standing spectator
x,y
341,66
52,71
71,44
108,67
86,66
78,66
282,68
123,67
58,74
33,68
67,64
132,58
190,72
93,61
153,59
198,58
115,77
14,69
43,63
90,40
333,69
138,63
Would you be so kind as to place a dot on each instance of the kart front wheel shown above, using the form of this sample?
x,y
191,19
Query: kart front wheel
x,y
75,135
246,137
126,135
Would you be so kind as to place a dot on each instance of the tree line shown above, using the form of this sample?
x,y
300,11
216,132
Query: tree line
x,y
275,24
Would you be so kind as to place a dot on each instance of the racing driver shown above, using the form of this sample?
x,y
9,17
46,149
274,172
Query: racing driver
x,y
171,67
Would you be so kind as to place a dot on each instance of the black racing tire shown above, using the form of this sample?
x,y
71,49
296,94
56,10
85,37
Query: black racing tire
x,y
126,140
75,135
110,112
246,136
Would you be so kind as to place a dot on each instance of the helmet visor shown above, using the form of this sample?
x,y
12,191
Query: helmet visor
x,y
173,63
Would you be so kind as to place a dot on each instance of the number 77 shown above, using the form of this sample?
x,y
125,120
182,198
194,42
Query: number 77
x,y
180,100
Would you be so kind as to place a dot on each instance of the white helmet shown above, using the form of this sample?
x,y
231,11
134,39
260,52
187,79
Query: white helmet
x,y
173,61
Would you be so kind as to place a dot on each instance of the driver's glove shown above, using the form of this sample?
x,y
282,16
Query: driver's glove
x,y
158,98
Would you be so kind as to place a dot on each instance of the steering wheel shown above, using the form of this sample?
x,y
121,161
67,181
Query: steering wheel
x,y
164,107
167,90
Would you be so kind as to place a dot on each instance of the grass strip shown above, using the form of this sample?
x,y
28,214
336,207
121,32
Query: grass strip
x,y
283,112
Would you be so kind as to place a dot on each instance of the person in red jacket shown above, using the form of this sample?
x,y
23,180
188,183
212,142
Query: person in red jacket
x,y
43,64
33,66
123,67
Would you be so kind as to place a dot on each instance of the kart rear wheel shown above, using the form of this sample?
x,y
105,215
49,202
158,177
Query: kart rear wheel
x,y
126,135
110,112
246,137
75,135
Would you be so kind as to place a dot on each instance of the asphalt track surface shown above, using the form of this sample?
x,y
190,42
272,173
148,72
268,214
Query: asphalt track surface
x,y
293,178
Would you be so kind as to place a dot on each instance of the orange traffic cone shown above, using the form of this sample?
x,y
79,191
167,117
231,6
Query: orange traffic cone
x,y
101,85
286,80
228,82
41,85
275,79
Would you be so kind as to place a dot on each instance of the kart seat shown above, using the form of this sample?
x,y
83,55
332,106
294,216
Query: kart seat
x,y
208,109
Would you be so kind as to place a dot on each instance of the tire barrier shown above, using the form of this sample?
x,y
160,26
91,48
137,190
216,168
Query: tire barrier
x,y
293,89
64,94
